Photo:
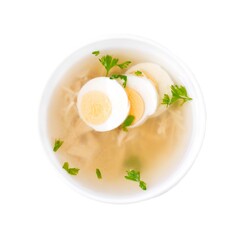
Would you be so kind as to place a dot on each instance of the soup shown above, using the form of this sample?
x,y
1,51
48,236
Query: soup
x,y
105,160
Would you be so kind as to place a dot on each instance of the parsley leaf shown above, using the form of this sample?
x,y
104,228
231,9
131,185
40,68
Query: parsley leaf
x,y
178,93
98,173
72,171
135,176
57,144
138,73
109,62
143,185
124,64
166,100
122,77
96,53
128,121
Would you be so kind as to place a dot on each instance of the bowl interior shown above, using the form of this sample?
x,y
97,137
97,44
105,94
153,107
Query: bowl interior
x,y
176,69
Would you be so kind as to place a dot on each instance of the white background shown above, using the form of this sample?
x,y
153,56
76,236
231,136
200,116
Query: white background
x,y
35,203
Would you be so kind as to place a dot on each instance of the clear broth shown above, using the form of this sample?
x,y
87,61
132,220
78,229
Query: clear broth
x,y
154,148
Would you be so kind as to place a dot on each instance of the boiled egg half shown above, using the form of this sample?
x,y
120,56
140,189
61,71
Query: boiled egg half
x,y
159,78
143,98
103,104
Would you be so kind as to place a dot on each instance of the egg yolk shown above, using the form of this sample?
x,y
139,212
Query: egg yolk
x,y
136,104
95,107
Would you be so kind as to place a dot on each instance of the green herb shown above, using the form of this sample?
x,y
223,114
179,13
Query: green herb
x,y
122,77
135,176
166,100
143,185
109,62
96,53
128,121
72,171
178,93
98,173
138,73
57,144
124,64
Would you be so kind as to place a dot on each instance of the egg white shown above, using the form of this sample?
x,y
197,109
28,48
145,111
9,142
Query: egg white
x,y
160,78
118,99
148,92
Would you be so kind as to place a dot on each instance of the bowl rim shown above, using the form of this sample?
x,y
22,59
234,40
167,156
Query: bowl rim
x,y
180,173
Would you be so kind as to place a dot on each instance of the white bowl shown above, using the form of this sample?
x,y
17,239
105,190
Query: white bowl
x,y
176,68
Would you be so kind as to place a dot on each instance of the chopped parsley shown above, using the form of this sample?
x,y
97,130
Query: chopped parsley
x,y
109,62
71,171
128,121
57,144
134,175
138,73
124,64
122,77
178,93
96,53
98,173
